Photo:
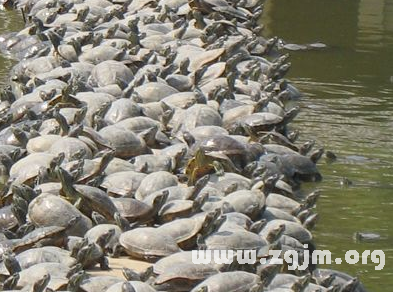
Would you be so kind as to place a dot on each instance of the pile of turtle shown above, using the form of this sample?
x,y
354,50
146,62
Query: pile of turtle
x,y
147,129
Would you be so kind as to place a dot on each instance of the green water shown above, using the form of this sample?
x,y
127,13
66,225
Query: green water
x,y
9,21
347,108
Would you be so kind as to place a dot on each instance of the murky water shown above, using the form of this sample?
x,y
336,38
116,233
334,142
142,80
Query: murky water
x,y
10,21
347,108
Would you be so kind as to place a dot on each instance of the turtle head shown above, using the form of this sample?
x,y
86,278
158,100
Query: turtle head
x,y
257,226
199,202
122,222
11,263
199,185
80,115
76,280
66,181
130,274
127,287
40,284
268,272
20,135
104,238
11,282
301,283
275,233
159,201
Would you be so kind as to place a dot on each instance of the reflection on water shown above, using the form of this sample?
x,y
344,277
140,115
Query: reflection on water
x,y
10,21
348,108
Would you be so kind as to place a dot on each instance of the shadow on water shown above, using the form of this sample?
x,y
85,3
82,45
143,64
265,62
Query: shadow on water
x,y
347,108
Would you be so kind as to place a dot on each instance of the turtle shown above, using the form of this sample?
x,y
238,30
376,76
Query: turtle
x,y
284,280
205,162
122,109
90,168
41,143
68,146
293,229
153,91
154,182
117,165
122,183
236,220
131,286
271,213
136,211
91,253
148,243
57,273
195,116
327,277
234,281
186,230
152,163
43,236
125,142
181,208
26,169
87,197
299,167
35,256
138,124
236,240
248,202
7,218
283,203
183,277
96,283
112,246
184,99
45,209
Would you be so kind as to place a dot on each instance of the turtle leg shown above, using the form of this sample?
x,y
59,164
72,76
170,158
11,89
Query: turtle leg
x,y
219,168
116,251
78,203
104,264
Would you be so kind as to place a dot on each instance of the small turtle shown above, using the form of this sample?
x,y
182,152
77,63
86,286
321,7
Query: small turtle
x,y
283,280
230,281
292,229
50,235
366,236
96,283
90,168
125,142
112,245
7,218
185,231
205,162
91,253
122,183
136,211
181,208
27,169
131,286
154,182
55,274
35,256
89,198
45,209
148,243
